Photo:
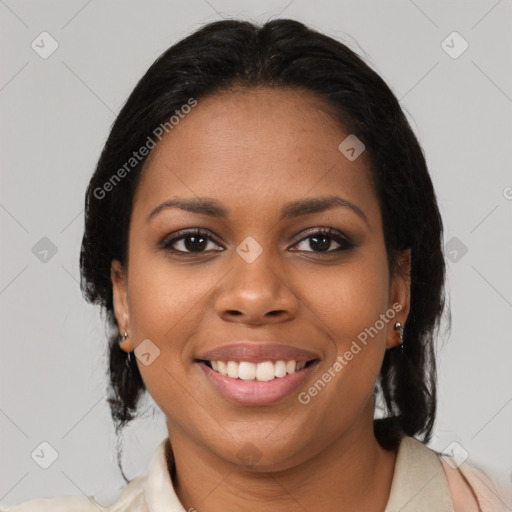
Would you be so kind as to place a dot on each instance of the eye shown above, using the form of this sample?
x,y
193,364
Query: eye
x,y
197,241
189,242
322,238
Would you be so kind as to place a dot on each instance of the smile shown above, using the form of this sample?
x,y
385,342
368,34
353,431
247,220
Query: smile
x,y
263,372
253,391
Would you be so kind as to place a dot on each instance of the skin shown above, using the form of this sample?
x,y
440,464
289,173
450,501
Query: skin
x,y
284,145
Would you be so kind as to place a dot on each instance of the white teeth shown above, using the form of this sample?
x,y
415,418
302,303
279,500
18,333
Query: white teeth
x,y
222,368
264,372
246,370
280,369
233,369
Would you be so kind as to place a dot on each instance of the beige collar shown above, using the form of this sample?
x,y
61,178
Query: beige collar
x,y
419,481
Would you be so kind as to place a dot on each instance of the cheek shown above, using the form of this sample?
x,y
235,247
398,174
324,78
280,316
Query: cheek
x,y
163,309
351,303
163,297
350,298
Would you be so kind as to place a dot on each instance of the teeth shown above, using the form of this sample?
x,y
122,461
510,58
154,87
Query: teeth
x,y
233,369
263,372
222,368
280,369
246,371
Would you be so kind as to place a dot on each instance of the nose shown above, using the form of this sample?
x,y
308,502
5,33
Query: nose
x,y
256,293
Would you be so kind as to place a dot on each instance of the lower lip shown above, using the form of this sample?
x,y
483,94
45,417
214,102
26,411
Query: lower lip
x,y
254,392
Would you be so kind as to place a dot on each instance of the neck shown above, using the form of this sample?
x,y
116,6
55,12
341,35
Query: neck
x,y
353,472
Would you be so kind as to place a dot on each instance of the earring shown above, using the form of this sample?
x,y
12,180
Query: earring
x,y
128,359
399,327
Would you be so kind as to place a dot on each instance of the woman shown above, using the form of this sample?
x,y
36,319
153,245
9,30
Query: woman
x,y
264,236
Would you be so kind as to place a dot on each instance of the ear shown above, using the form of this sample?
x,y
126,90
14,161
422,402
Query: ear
x,y
400,296
120,298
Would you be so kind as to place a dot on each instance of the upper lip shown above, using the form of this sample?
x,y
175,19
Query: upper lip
x,y
257,353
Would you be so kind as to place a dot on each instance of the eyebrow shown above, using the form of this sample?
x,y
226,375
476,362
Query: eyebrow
x,y
291,210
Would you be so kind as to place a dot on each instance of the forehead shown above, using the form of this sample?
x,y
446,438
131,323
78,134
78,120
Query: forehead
x,y
257,146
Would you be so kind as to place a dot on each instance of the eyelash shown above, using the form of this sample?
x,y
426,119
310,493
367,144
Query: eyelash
x,y
331,233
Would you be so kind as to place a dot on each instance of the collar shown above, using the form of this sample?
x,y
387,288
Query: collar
x,y
419,481
158,487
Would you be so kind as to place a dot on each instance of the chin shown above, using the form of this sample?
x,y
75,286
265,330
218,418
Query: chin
x,y
262,455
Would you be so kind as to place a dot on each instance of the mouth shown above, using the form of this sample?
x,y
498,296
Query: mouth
x,y
257,373
253,391
265,371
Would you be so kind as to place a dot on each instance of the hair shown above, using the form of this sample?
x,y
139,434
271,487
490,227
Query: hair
x,y
282,54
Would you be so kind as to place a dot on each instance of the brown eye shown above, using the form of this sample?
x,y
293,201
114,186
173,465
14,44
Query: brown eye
x,y
322,239
190,242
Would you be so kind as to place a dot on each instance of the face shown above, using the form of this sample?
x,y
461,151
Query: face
x,y
259,279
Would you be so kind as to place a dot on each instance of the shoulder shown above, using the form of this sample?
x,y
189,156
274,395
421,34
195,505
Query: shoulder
x,y
463,495
150,491
131,500
454,486
60,504
475,490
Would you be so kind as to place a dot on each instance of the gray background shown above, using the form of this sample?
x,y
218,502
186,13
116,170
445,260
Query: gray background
x,y
55,116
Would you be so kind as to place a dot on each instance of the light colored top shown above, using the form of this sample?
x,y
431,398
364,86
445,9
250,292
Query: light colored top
x,y
423,481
